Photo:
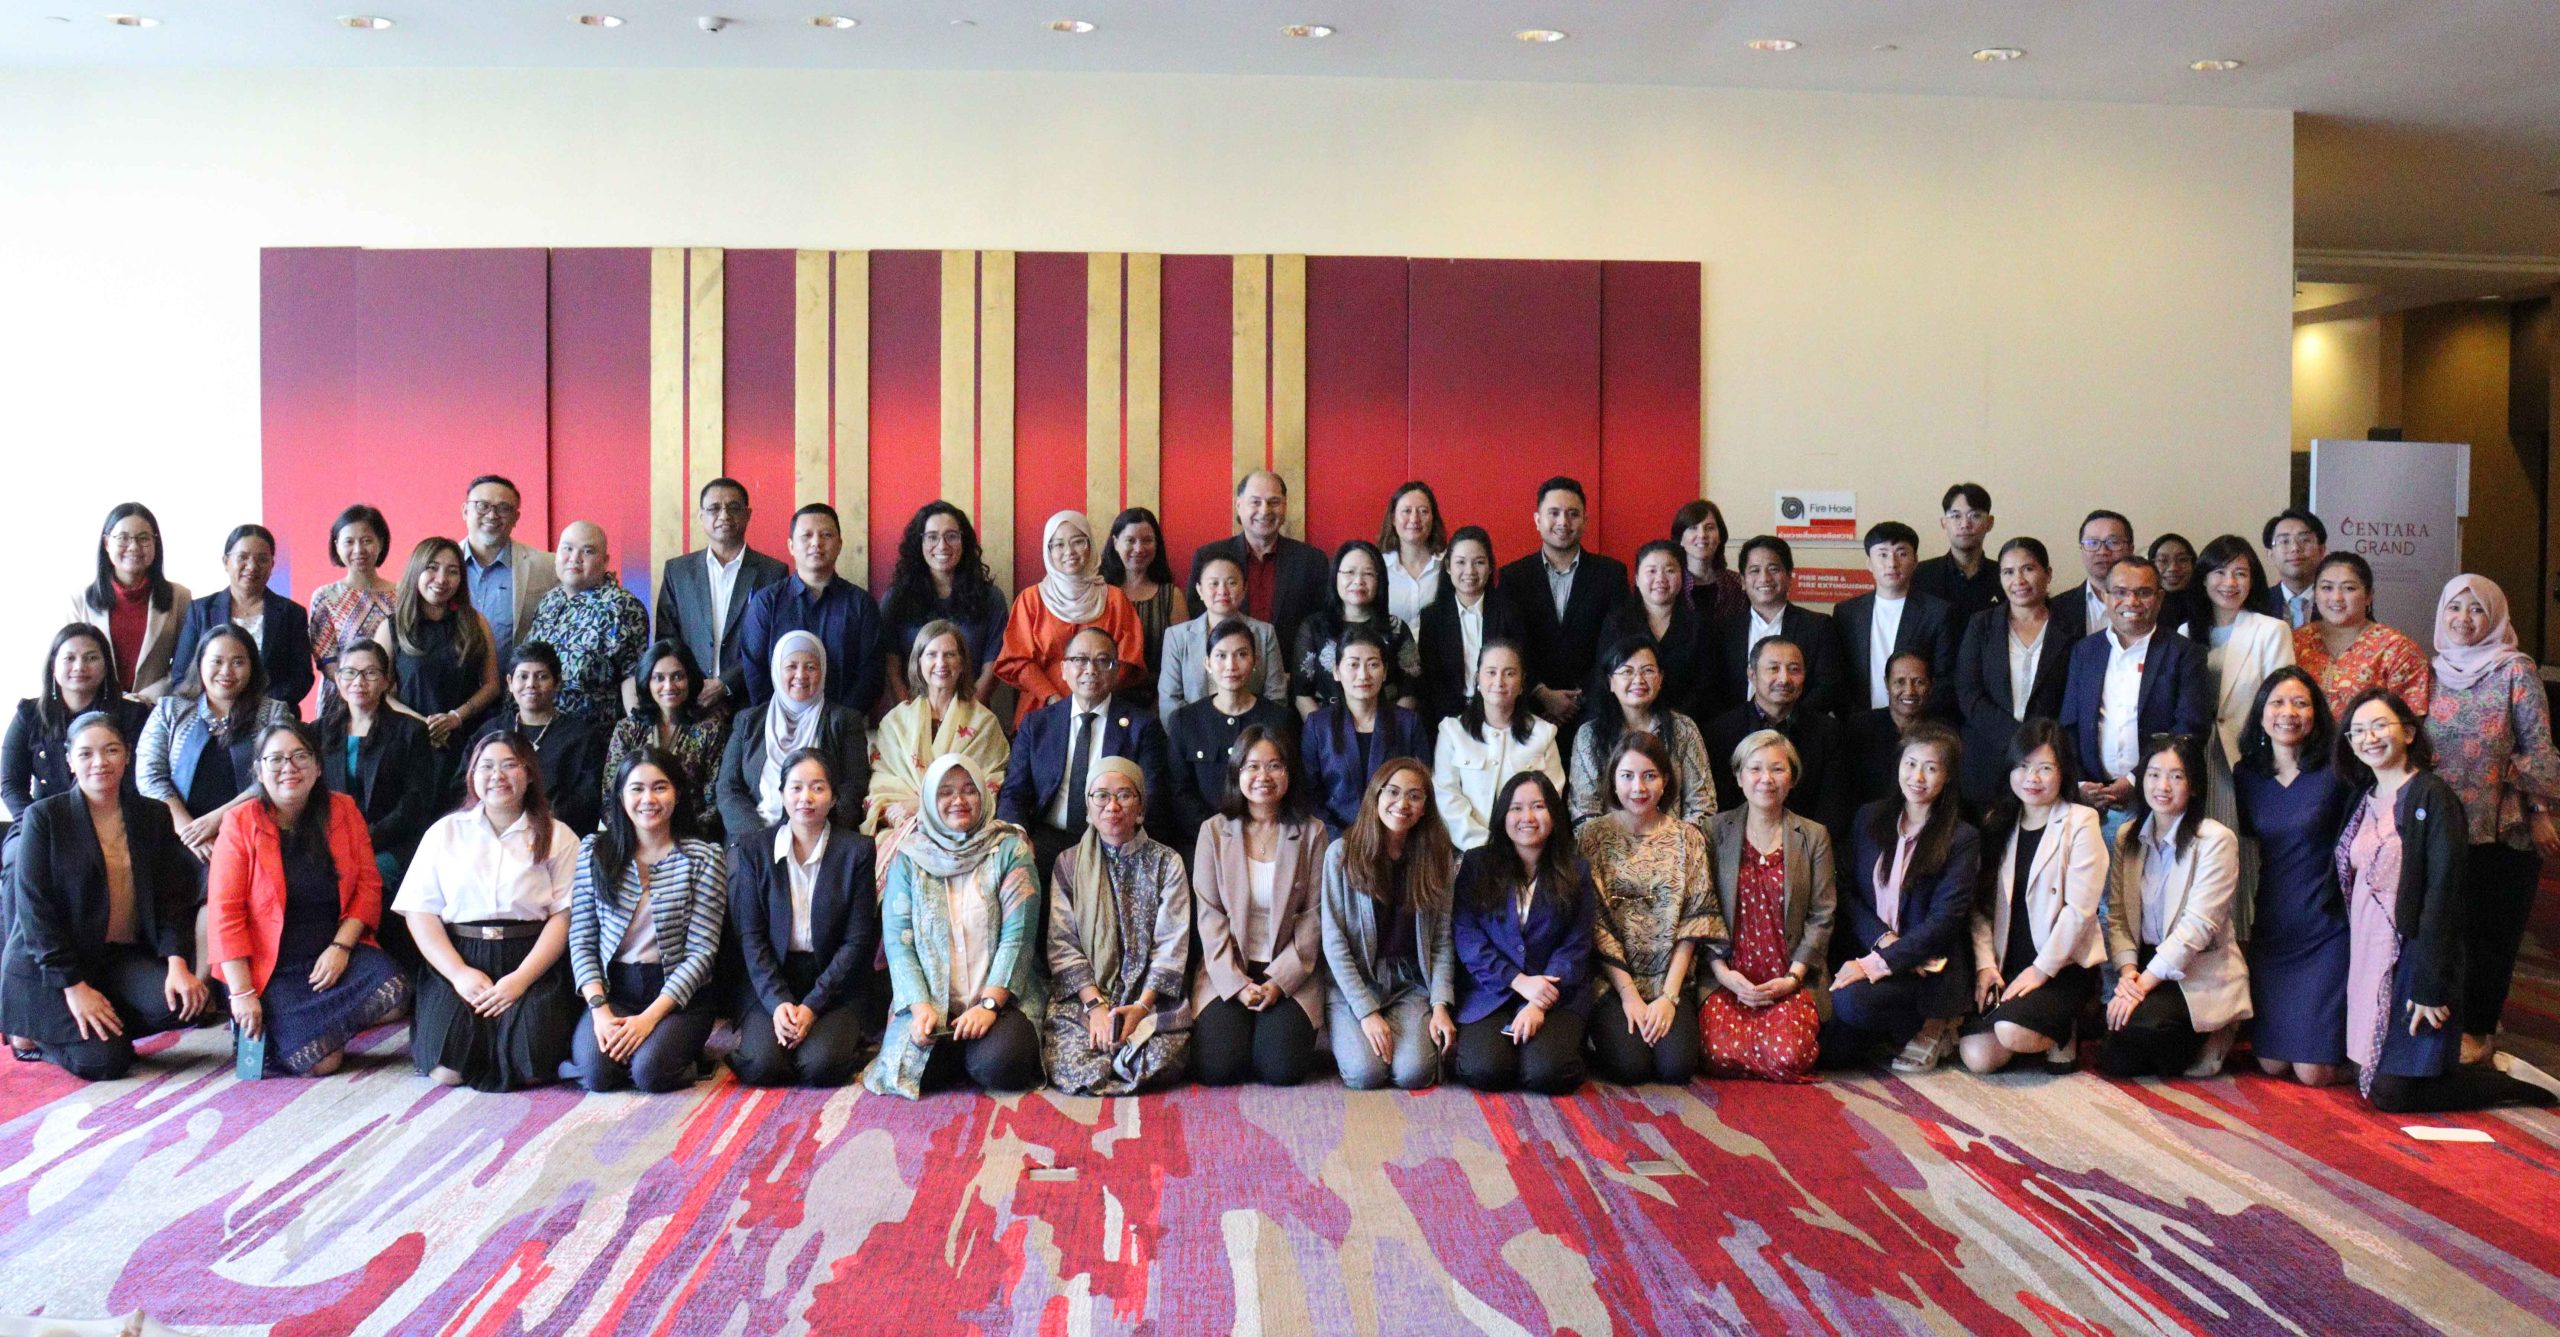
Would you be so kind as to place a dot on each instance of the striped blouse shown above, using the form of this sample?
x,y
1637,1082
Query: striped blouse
x,y
688,900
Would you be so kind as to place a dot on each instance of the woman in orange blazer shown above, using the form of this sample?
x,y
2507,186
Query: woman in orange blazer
x,y
294,896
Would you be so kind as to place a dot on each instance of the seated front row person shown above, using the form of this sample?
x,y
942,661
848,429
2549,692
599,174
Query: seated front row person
x,y
1386,893
941,715
2181,981
1258,995
292,900
2036,933
487,903
807,910
798,713
105,916
644,934
1779,889
1656,905
1906,914
959,918
1521,931
1119,937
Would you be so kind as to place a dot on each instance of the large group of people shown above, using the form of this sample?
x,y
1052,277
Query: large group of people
x,y
1403,809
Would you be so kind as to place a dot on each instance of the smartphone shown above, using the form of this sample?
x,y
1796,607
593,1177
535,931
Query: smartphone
x,y
249,1055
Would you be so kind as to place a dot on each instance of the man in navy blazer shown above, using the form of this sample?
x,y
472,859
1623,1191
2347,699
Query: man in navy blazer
x,y
1043,785
2131,680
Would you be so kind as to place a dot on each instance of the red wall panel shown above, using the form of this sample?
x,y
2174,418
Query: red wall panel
x,y
756,393
600,401
906,397
1048,400
1358,328
1648,399
1196,459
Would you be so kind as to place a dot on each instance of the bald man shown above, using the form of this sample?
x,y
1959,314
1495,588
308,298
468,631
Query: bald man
x,y
1285,580
596,627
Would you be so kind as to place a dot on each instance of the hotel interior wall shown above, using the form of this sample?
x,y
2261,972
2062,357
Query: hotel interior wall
x,y
2076,303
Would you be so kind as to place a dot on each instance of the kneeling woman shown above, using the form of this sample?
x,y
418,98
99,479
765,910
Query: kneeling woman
x,y
1775,877
486,899
1119,939
1259,992
293,897
2036,937
644,934
105,911
959,914
1906,915
2169,907
1656,904
1522,935
808,915
1386,935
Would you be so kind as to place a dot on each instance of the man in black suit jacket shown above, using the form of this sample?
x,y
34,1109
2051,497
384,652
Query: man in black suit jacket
x,y
2170,689
686,611
2106,537
1871,740
2295,540
1768,582
1043,786
1285,580
1922,624
1964,575
1563,596
1778,685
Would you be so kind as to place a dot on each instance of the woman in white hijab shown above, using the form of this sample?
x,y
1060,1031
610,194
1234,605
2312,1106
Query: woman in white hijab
x,y
1073,595
797,715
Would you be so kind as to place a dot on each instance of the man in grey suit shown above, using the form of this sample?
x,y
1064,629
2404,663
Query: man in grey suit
x,y
702,596
507,578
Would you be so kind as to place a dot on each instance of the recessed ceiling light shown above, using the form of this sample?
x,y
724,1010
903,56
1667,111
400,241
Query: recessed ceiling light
x,y
1773,44
1306,30
964,23
597,20
1070,26
1993,55
2214,66
1539,35
57,18
835,21
132,21
1884,46
366,22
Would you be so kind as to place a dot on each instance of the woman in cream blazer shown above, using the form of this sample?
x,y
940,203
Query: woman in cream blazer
x,y
2036,935
2169,906
2242,646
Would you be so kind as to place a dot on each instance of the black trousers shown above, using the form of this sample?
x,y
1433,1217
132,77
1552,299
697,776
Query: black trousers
x,y
1006,1058
2462,1089
1550,1064
1232,1044
2158,1040
828,1055
665,1061
133,981
1619,1055
2499,883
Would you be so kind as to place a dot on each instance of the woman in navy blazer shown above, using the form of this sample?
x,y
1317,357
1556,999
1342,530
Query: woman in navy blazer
x,y
808,953
1345,743
282,627
1521,928
2024,624
1905,924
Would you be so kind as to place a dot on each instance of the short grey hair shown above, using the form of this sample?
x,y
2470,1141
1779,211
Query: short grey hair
x,y
1762,741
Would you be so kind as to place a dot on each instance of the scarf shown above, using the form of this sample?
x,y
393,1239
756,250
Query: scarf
x,y
1097,908
788,725
1073,595
2463,667
939,850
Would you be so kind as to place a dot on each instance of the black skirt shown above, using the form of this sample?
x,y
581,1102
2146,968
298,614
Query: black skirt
x,y
520,1047
2050,1010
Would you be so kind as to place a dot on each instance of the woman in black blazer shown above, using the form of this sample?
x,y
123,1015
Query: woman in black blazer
x,y
1906,973
284,627
378,757
808,953
1448,674
1662,613
1985,688
798,715
106,916
79,676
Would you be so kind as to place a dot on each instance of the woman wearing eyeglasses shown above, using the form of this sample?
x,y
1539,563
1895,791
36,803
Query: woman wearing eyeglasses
x,y
1633,703
1119,934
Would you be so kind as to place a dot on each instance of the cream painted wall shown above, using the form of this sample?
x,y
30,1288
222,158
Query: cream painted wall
x,y
2337,380
2075,304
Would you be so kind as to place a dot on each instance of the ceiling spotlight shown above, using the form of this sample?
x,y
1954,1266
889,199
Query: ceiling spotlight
x,y
596,20
132,21
1070,26
964,23
1773,44
1539,35
838,21
1993,55
1307,30
2214,66
1884,46
366,22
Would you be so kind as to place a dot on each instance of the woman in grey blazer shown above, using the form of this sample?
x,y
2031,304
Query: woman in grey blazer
x,y
1779,889
1385,898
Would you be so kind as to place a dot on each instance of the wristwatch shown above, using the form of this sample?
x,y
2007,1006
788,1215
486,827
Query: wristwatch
x,y
991,1005
597,1002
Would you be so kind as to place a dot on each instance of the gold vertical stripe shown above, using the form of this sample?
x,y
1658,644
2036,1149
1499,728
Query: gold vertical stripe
x,y
1289,382
812,289
960,378
853,407
1102,289
1145,381
666,404
1250,384
705,376
995,414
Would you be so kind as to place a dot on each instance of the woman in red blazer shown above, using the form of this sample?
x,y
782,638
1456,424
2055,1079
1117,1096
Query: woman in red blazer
x,y
294,896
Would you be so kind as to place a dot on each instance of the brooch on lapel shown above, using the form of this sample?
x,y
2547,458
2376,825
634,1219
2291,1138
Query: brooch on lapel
x,y
1124,721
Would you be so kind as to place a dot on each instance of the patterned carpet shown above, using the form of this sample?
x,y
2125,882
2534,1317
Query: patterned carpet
x,y
372,1203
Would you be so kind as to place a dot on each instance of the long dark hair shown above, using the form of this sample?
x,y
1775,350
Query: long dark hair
x,y
1160,570
1690,517
1294,806
973,590
1493,872
192,688
617,841
2218,554
1522,716
50,708
537,804
1938,833
2350,767
309,837
1649,746
2002,821
2190,754
2258,751
102,591
1437,540
1607,717
1493,565
408,607
1421,876
645,706
334,714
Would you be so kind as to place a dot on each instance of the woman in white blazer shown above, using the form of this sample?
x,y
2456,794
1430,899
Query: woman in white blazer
x,y
2243,646
2036,937
1494,738
2169,905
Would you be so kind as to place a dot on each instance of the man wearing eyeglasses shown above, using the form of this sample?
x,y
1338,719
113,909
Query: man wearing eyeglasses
x,y
2105,539
702,596
1962,575
1059,745
2130,680
2296,541
507,578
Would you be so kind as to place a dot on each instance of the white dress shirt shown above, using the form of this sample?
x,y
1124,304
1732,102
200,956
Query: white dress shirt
x,y
2120,705
1101,724
2023,659
724,584
1882,627
804,885
2159,860
2095,600
466,871
1408,595
1760,630
1471,636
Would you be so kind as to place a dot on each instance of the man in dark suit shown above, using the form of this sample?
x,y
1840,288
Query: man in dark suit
x,y
702,596
1768,582
1285,580
1563,596
2106,537
2128,681
1871,740
1894,619
1778,686
1964,575
2295,540
1054,752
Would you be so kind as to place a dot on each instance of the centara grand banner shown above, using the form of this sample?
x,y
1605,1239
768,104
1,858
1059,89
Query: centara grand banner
x,y
2395,504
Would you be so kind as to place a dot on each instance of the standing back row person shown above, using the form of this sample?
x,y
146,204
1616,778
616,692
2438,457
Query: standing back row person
x,y
1284,578
1048,617
703,596
1964,575
1894,619
816,599
507,578
1564,595
278,624
134,602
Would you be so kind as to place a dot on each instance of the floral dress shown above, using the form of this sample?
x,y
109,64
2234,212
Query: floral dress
x,y
2379,657
697,748
1777,1043
1656,892
341,615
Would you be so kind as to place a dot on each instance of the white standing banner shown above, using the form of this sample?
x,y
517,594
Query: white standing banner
x,y
2396,504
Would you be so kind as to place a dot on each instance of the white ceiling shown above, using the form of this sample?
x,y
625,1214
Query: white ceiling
x,y
2425,126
